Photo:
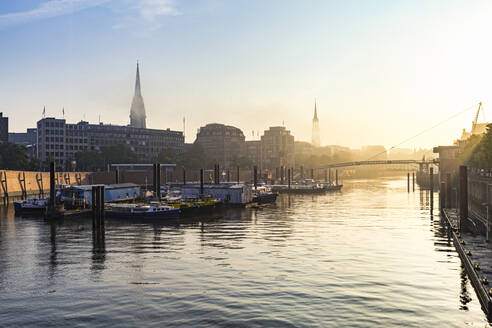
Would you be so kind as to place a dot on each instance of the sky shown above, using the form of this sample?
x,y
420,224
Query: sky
x,y
380,71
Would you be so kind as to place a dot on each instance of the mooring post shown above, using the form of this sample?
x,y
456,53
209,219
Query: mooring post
x,y
117,176
228,175
302,172
281,175
94,206
158,178
255,177
408,182
288,178
184,176
463,196
442,196
201,181
449,200
101,205
312,173
329,175
51,203
238,174
218,174
413,181
431,177
336,177
154,178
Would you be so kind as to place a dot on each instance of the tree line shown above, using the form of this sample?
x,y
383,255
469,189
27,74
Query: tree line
x,y
477,151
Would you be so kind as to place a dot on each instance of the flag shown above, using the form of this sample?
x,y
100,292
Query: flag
x,y
63,111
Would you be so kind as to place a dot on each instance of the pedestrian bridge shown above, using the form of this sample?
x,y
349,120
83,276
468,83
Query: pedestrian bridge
x,y
382,162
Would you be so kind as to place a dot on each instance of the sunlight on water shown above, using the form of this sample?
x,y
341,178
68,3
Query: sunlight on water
x,y
370,256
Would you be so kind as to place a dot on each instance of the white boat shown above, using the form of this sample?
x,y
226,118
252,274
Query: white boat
x,y
152,211
31,205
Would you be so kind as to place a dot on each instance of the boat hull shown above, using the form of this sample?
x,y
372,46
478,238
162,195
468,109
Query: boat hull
x,y
170,214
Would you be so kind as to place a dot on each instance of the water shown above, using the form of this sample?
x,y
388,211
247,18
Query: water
x,y
370,256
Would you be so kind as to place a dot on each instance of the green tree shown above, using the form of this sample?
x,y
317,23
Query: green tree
x,y
13,157
481,155
89,160
121,153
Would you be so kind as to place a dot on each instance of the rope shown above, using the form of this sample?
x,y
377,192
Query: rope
x,y
426,130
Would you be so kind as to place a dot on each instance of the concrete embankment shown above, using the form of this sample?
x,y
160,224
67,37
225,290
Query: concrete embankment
x,y
476,256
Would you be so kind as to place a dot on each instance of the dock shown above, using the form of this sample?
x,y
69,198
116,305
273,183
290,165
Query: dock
x,y
476,256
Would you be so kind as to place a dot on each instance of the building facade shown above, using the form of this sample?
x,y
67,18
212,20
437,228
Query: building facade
x,y
28,138
221,143
60,141
253,152
277,147
4,129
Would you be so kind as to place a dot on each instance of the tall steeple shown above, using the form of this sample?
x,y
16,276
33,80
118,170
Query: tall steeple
x,y
315,133
137,111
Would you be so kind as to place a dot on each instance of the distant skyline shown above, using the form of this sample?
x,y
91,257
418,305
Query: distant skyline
x,y
380,71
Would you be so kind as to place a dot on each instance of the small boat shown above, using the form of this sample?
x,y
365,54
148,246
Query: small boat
x,y
263,195
141,211
31,205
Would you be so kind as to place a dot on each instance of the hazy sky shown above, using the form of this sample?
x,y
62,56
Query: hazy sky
x,y
380,70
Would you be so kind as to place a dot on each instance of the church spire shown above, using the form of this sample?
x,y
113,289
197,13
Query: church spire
x,y
137,111
315,111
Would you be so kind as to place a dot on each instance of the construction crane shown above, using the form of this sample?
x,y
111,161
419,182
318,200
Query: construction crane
x,y
474,123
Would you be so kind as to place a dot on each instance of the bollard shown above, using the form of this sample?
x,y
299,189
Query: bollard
x,y
117,176
255,177
413,181
463,196
408,182
201,181
184,176
51,203
442,196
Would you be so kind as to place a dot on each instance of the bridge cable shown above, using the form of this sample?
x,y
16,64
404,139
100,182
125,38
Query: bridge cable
x,y
426,130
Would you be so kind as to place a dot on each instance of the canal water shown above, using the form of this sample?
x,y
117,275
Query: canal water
x,y
369,256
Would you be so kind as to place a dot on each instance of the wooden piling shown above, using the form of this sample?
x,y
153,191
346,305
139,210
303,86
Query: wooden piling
x,y
302,172
158,179
449,198
312,174
326,175
184,176
463,172
413,181
255,177
408,182
201,180
238,180
431,176
117,176
51,203
228,175
336,177
288,177
281,175
94,206
442,196
154,178
101,205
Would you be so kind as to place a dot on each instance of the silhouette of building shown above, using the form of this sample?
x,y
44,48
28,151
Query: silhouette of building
x,y
4,129
277,147
222,143
315,133
137,111
253,152
60,141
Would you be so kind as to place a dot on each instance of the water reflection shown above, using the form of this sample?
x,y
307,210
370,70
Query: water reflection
x,y
370,254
